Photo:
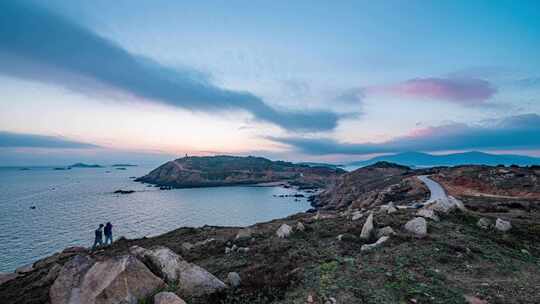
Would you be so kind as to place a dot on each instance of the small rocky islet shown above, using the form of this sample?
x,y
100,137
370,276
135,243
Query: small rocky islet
x,y
374,236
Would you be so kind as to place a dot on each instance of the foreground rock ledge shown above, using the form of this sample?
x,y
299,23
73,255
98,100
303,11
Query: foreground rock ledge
x,y
116,280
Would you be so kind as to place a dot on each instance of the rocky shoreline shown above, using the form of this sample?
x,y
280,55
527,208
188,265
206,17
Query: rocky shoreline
x,y
365,250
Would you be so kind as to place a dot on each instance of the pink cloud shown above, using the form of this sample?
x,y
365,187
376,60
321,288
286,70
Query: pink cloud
x,y
460,90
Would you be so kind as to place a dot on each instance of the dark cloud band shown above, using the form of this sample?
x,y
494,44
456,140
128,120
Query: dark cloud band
x,y
52,48
19,140
515,132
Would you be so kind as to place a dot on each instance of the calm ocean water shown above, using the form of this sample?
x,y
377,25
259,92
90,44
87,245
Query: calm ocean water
x,y
69,204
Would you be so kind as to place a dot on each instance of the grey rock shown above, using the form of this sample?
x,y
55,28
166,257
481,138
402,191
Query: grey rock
x,y
233,278
300,226
191,279
428,213
502,225
25,269
165,297
367,229
284,231
385,231
115,280
418,226
379,242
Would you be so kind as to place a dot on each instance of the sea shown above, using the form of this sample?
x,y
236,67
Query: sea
x,y
43,210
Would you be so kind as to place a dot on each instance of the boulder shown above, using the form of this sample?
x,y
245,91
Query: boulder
x,y
114,280
244,234
367,229
233,278
166,297
300,227
374,245
25,269
385,231
446,205
228,250
428,213
418,226
502,225
192,280
484,223
284,231
7,276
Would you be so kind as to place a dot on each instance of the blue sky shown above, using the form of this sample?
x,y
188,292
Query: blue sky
x,y
307,80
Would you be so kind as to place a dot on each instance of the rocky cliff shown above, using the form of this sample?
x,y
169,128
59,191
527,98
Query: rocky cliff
x,y
233,170
373,185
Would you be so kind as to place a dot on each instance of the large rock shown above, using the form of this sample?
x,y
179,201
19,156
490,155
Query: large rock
x,y
385,231
428,213
192,280
418,226
367,229
165,297
300,227
502,225
114,280
379,242
284,231
446,205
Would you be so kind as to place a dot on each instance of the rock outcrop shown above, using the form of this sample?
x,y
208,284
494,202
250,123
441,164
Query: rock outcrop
x,y
371,186
191,279
123,279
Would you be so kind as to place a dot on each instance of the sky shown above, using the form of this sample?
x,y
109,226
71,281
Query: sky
x,y
149,81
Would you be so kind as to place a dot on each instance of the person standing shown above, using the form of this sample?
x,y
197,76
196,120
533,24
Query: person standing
x,y
108,233
98,241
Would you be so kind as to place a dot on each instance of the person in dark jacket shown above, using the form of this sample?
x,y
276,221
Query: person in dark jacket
x,y
108,233
98,241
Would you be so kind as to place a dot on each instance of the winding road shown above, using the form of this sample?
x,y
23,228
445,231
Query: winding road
x,y
435,189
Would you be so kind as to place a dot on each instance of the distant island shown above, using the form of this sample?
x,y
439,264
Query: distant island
x,y
419,159
83,165
124,165
211,171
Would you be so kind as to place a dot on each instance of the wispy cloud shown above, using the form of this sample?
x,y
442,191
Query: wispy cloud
x,y
514,132
469,91
21,140
39,45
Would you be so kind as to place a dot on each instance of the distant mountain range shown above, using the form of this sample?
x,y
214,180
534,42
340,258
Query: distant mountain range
x,y
419,159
